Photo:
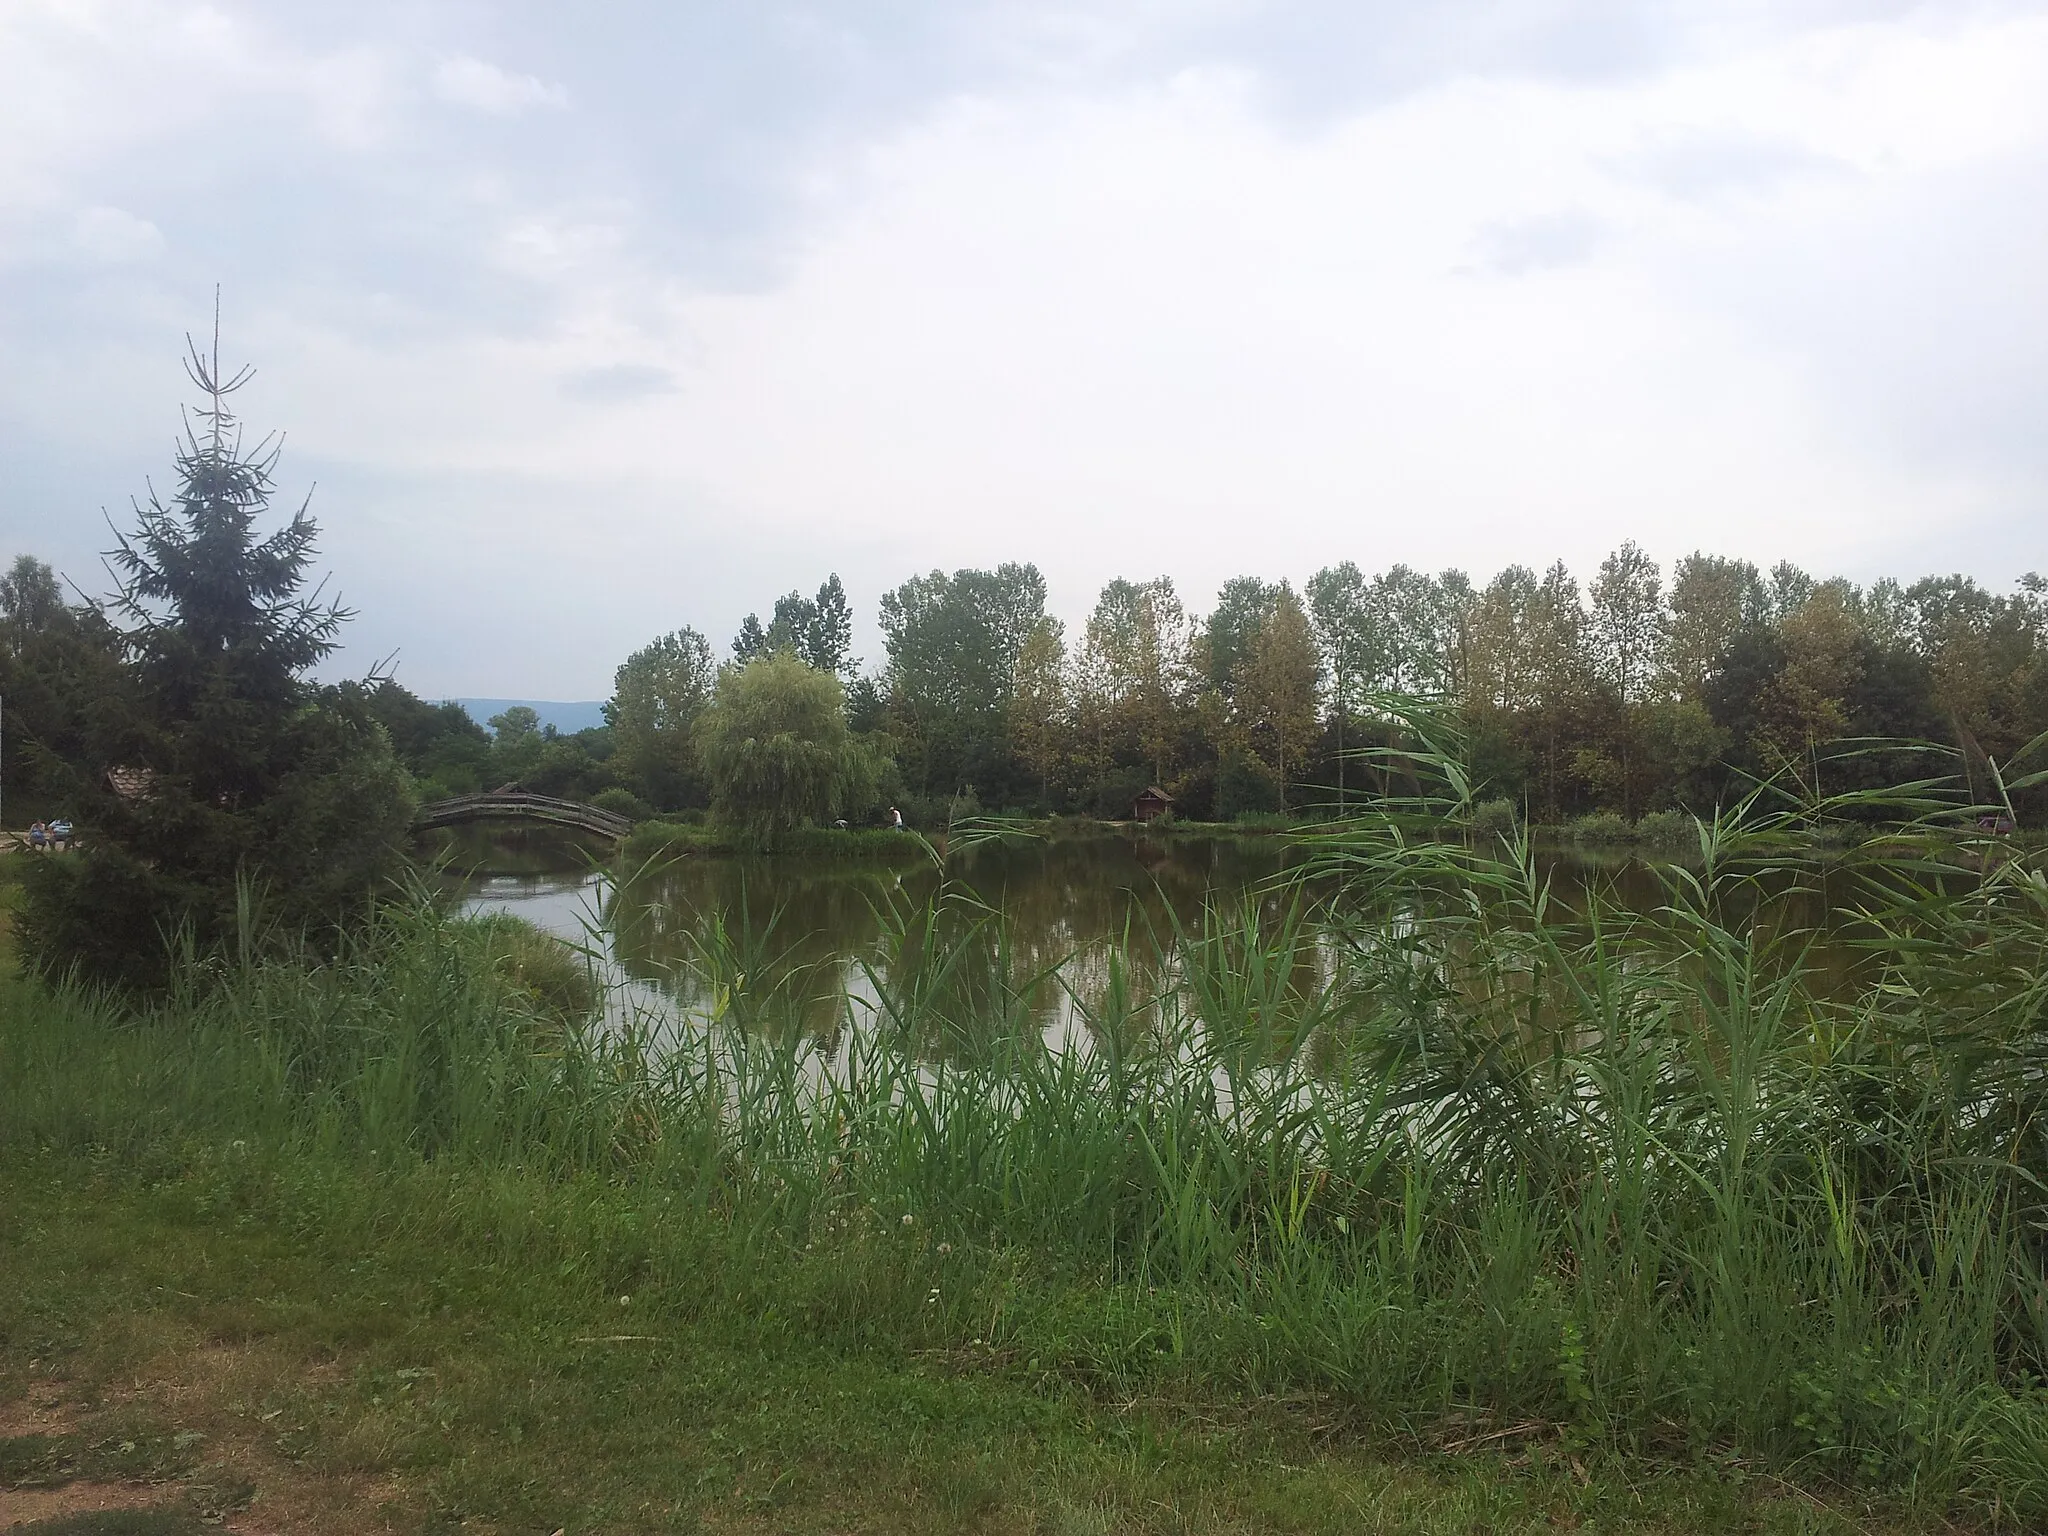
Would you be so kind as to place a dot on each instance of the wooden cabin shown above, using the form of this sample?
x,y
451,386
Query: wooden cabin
x,y
1152,803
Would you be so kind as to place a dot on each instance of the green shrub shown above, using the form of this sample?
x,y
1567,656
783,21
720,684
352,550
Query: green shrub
x,y
1669,832
623,802
1117,790
1602,828
1244,783
1494,818
1838,836
662,837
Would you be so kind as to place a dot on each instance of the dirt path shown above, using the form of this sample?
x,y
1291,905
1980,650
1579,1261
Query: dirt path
x,y
179,1438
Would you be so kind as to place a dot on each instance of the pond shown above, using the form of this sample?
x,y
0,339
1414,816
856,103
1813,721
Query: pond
x,y
1079,916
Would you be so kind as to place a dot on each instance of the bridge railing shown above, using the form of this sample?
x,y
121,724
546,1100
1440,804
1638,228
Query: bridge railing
x,y
521,805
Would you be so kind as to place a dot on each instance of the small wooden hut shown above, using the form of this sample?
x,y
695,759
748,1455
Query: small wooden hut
x,y
1152,803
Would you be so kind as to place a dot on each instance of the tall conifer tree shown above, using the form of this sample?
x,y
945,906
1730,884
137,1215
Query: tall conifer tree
x,y
229,767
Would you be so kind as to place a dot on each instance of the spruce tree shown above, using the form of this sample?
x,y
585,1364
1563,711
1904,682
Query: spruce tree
x,y
227,766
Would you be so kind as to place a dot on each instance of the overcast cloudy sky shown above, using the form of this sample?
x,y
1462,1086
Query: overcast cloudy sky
x,y
594,320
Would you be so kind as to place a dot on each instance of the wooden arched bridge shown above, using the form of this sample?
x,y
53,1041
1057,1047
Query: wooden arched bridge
x,y
517,805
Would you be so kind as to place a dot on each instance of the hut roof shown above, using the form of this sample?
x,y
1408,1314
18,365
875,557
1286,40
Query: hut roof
x,y
1154,792
131,784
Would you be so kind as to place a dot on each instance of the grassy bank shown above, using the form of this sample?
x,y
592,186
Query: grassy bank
x,y
1354,1185
290,1344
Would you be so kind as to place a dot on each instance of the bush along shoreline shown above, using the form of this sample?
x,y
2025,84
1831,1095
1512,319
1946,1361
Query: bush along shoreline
x,y
1642,1183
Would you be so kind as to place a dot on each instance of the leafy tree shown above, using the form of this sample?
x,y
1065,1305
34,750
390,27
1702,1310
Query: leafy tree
x,y
1712,600
752,640
1348,628
1805,704
827,641
60,677
953,643
1245,784
1627,635
819,630
657,697
1787,591
1276,687
867,706
445,751
1038,703
237,767
1628,624
1242,608
31,599
775,746
517,726
1502,682
1137,675
517,740
1557,654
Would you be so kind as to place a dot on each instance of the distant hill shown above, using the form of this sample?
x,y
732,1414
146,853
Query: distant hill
x,y
565,718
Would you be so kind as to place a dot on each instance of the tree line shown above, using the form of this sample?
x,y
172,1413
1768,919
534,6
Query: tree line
x,y
1628,694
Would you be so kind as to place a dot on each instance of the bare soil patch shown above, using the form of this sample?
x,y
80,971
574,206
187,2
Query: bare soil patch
x,y
210,1453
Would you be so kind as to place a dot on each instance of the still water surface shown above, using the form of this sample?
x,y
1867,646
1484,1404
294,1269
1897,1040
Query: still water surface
x,y
828,931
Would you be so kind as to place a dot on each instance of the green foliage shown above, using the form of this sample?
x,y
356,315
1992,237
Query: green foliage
x,y
1262,821
953,644
1245,785
445,751
775,746
1603,829
61,680
1669,832
1495,818
238,768
542,971
623,802
656,698
818,630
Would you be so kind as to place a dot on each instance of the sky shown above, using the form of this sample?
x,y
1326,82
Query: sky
x,y
587,322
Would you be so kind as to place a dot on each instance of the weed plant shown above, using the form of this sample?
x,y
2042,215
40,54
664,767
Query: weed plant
x,y
1458,1160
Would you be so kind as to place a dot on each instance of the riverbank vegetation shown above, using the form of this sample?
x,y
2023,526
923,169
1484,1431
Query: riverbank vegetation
x,y
1519,1176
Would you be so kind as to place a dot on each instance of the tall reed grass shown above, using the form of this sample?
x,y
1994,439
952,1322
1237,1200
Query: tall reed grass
x,y
1406,1132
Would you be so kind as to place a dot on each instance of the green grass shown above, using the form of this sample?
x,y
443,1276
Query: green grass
x,y
499,1379
1331,1190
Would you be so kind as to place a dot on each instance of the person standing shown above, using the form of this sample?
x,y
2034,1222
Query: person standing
x,y
895,818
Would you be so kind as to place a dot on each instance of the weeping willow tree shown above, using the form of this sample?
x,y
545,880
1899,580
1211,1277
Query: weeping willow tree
x,y
776,749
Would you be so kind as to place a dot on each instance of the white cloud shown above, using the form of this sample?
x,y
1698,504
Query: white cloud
x,y
114,236
468,82
1538,243
1152,305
